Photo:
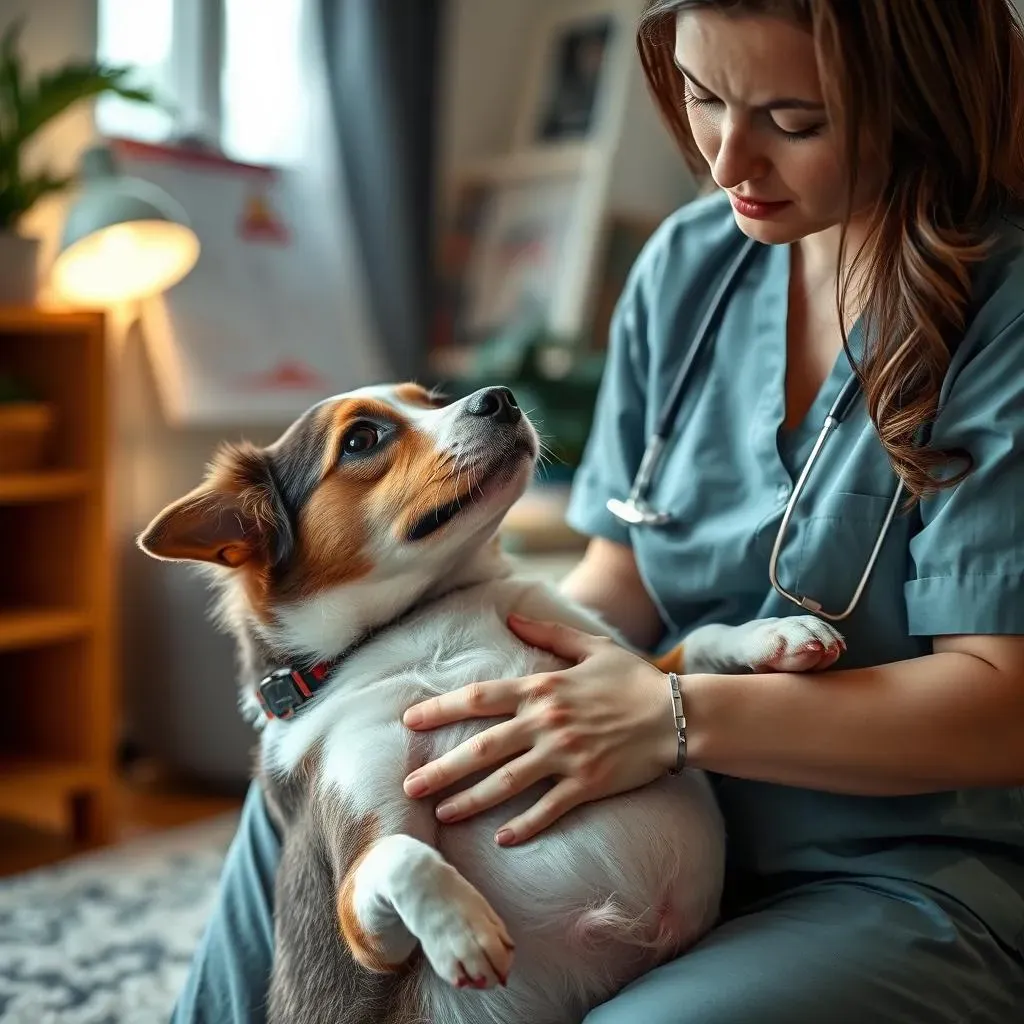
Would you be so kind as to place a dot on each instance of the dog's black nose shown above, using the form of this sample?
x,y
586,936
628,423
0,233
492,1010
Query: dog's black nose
x,y
497,404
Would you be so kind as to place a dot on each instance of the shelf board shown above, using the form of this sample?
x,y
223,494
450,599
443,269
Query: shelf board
x,y
32,628
50,775
53,320
23,488
38,789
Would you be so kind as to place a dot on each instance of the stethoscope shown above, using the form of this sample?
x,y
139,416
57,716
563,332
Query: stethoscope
x,y
637,511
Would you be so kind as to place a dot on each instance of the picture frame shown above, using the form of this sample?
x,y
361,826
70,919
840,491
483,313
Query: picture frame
x,y
578,57
501,261
519,254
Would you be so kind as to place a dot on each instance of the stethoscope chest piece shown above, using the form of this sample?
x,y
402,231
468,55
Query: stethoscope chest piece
x,y
637,513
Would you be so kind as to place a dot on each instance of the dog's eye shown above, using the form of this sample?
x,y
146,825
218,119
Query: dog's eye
x,y
359,438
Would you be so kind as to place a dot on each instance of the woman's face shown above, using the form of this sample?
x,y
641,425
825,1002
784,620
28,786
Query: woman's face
x,y
757,115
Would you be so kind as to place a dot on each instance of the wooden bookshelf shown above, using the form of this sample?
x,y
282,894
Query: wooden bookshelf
x,y
57,679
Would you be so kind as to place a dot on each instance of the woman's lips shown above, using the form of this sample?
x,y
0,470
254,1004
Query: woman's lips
x,y
756,209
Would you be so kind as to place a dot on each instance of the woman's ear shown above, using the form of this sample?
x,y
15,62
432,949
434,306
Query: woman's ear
x,y
235,516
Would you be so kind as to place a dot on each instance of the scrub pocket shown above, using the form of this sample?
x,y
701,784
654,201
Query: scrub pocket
x,y
834,538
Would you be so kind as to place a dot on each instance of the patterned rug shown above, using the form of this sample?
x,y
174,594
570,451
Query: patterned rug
x,y
106,938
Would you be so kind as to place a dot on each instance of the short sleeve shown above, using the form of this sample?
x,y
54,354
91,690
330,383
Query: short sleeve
x,y
616,442
966,572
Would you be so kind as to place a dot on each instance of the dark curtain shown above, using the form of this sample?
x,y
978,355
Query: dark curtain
x,y
383,67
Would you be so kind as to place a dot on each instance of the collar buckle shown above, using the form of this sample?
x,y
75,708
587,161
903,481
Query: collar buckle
x,y
285,690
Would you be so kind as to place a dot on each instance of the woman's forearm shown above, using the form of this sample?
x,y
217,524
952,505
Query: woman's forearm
x,y
945,721
607,582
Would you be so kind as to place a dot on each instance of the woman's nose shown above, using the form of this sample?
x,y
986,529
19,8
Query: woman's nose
x,y
737,159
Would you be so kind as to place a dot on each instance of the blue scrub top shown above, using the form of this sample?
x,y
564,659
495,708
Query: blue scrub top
x,y
954,564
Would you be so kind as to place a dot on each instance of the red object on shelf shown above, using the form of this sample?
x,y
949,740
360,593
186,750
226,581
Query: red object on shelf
x,y
288,374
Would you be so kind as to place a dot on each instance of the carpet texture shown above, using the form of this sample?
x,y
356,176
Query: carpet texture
x,y
106,938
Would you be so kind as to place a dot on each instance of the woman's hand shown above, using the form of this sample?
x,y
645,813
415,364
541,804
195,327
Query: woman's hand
x,y
601,727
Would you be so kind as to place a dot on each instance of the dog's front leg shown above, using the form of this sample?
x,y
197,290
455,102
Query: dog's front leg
x,y
797,643
401,892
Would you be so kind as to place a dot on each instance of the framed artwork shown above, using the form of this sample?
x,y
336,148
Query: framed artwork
x,y
454,260
576,60
520,251
266,324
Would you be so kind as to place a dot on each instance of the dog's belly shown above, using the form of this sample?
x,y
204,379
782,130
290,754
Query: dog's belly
x,y
641,869
608,891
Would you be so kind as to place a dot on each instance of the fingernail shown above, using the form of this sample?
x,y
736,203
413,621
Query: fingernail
x,y
518,619
504,837
416,785
446,811
413,717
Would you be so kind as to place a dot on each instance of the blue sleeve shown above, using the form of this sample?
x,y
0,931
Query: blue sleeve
x,y
966,571
616,441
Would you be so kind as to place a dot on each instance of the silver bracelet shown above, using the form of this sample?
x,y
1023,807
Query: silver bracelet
x,y
680,716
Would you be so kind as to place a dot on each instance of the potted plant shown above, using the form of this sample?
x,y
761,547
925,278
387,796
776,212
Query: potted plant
x,y
25,426
25,107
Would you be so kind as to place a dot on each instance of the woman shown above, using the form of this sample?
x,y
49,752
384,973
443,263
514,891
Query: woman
x,y
875,812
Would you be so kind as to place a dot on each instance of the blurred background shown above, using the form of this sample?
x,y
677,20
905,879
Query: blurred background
x,y
214,213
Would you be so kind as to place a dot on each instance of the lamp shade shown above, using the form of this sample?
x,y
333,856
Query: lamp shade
x,y
123,238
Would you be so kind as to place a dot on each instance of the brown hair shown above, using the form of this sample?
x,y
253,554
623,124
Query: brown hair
x,y
941,85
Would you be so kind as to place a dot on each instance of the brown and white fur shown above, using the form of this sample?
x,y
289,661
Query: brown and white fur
x,y
368,530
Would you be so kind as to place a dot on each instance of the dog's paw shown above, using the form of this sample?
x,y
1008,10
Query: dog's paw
x,y
798,643
462,936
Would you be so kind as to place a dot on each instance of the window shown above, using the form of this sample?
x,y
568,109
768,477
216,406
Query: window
x,y
261,80
142,35
231,69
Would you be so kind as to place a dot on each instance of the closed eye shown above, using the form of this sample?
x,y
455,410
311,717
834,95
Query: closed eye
x,y
693,98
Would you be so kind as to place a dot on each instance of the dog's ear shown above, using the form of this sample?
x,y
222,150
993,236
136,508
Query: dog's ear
x,y
234,517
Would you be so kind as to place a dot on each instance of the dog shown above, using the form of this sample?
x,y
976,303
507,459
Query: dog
x,y
357,564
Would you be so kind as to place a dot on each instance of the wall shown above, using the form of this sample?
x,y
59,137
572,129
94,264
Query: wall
x,y
485,50
53,31
177,672
489,52
169,650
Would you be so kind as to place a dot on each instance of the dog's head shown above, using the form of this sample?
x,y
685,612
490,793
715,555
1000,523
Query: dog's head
x,y
366,502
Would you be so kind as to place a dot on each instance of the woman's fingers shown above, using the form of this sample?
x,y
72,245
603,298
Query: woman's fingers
x,y
498,743
477,700
564,641
506,782
562,797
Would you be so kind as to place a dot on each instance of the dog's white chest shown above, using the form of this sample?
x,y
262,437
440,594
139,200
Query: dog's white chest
x,y
365,751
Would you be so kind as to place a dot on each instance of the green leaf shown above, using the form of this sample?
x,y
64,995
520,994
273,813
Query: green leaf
x,y
10,77
26,107
20,195
57,91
